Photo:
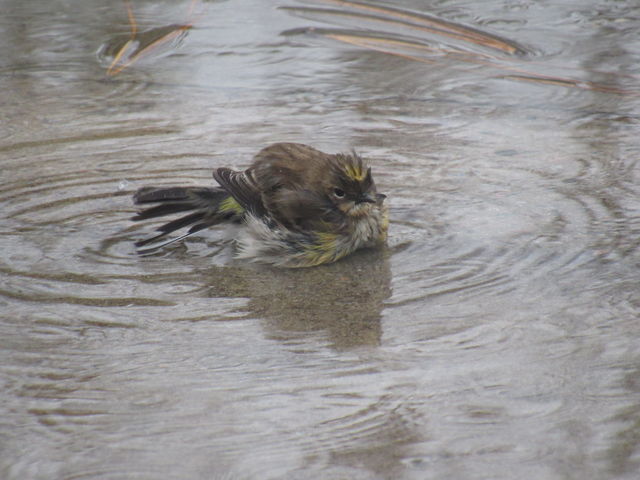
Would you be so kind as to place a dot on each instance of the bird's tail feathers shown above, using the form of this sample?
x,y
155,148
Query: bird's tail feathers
x,y
204,206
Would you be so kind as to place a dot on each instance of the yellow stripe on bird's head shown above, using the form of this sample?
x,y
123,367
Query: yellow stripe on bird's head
x,y
355,171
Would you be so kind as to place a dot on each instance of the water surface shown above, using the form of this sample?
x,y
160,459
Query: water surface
x,y
496,336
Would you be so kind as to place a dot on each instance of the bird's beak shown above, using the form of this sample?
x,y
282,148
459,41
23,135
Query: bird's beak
x,y
366,198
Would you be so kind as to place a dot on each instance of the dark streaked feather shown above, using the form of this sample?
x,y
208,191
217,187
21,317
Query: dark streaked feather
x,y
162,194
242,187
173,226
159,246
176,199
202,202
181,222
162,210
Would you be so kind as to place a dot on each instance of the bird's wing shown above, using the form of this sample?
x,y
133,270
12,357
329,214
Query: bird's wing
x,y
304,210
242,187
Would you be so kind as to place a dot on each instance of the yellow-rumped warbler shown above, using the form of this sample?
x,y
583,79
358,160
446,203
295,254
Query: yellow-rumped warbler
x,y
301,207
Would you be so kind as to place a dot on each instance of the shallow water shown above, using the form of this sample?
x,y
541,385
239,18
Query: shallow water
x,y
497,335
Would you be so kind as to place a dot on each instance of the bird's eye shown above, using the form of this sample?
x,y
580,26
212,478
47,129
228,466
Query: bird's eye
x,y
338,192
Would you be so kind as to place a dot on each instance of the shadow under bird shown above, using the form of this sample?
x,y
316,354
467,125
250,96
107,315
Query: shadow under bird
x,y
299,207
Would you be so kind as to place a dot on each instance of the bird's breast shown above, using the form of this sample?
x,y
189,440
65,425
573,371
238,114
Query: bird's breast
x,y
368,230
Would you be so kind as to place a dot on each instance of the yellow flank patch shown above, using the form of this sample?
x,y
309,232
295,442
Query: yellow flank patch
x,y
384,228
355,172
323,251
231,205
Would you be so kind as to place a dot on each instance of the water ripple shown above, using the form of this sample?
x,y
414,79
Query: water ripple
x,y
496,333
509,239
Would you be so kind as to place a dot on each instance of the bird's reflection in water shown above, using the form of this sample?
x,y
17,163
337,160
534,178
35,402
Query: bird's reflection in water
x,y
344,299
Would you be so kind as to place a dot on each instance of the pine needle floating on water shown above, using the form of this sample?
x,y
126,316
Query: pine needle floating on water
x,y
152,42
424,38
413,21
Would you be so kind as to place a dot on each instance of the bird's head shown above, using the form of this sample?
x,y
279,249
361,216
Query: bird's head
x,y
350,186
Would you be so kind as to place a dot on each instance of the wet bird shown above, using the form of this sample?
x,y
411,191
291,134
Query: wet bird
x,y
299,207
